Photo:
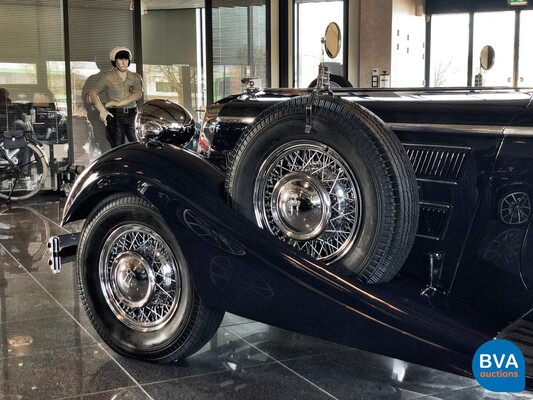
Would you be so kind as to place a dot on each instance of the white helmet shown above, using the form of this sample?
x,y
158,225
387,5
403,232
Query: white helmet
x,y
119,52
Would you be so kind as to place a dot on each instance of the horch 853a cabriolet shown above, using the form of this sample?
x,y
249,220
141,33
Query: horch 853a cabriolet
x,y
394,221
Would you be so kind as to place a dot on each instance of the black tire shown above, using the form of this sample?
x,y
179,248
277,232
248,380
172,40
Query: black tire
x,y
29,174
336,81
355,193
151,311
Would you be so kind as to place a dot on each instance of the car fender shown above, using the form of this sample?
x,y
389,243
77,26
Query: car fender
x,y
138,167
242,269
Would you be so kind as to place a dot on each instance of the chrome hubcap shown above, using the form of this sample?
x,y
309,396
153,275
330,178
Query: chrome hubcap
x,y
135,280
300,206
306,194
140,277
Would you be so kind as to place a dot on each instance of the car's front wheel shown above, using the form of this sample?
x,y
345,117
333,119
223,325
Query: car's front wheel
x,y
136,286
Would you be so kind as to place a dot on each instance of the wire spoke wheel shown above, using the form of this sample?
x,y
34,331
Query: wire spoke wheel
x,y
515,208
140,277
24,175
306,195
136,286
343,191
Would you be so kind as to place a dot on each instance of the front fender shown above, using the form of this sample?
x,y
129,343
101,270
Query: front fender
x,y
135,168
242,269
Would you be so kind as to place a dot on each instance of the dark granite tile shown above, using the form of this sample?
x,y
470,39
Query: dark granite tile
x,y
60,374
50,206
223,352
31,337
282,344
366,375
473,393
262,382
131,393
23,299
232,319
63,362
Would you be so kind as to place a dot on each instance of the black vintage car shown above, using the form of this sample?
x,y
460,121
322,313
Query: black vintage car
x,y
394,221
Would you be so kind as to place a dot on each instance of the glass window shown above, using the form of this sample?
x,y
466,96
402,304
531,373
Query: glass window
x,y
501,38
89,59
449,50
18,73
32,71
239,45
175,71
408,51
525,53
311,19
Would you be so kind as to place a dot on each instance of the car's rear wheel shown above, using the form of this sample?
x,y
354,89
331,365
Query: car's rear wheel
x,y
136,287
344,193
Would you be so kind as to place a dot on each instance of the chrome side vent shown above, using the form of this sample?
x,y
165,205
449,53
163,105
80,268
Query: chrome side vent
x,y
433,220
442,164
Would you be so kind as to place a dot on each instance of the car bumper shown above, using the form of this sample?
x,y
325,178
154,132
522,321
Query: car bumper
x,y
62,248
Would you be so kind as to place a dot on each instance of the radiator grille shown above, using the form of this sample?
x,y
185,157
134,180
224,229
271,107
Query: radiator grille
x,y
433,220
437,163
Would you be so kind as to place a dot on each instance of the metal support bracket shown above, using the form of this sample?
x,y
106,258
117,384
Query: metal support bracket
x,y
436,261
309,111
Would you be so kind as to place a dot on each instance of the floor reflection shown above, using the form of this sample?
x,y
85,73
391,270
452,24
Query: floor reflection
x,y
49,349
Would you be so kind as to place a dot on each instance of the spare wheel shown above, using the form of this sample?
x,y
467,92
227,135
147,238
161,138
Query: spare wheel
x,y
345,193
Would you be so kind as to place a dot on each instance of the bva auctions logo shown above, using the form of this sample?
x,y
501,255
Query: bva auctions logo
x,y
499,366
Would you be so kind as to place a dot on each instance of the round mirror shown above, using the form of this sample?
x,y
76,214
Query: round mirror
x,y
487,57
332,40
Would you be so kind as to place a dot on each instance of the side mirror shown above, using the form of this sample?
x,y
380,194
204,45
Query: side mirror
x,y
487,57
331,43
332,40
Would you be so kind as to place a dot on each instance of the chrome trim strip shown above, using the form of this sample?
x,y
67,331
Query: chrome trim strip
x,y
437,181
236,120
427,237
438,146
448,128
519,131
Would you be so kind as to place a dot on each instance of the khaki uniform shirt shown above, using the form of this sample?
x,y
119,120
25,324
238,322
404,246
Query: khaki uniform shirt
x,y
117,89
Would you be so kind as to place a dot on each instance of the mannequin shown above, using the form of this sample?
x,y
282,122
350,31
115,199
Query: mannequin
x,y
123,89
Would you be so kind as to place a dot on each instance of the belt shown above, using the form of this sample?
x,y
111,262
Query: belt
x,y
124,110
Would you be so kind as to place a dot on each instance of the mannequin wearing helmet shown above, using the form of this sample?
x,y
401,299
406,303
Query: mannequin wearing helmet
x,y
122,89
122,53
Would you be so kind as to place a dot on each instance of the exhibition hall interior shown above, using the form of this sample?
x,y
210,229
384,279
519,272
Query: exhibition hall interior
x,y
194,57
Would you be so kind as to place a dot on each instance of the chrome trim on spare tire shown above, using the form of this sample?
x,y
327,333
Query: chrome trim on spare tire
x,y
306,194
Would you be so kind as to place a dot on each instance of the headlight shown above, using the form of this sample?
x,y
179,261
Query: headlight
x,y
207,131
167,120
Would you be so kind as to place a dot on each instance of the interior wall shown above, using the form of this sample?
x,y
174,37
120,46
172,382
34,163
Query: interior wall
x,y
354,8
274,43
375,38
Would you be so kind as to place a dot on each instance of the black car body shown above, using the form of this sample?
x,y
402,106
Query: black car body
x,y
467,279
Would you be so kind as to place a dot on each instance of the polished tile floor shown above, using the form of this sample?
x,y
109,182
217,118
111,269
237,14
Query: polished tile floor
x,y
49,350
